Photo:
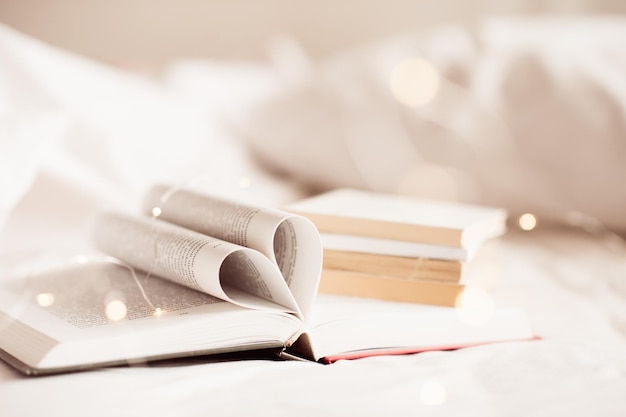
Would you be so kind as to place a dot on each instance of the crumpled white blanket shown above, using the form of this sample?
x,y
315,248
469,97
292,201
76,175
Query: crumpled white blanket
x,y
528,114
78,137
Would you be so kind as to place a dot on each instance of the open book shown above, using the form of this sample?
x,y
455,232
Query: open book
x,y
204,275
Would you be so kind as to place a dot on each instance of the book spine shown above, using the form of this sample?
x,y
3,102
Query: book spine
x,y
389,288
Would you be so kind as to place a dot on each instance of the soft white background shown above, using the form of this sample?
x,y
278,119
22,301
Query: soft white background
x,y
140,32
78,137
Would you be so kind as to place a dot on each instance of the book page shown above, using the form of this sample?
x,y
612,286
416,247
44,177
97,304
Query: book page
x,y
87,296
95,312
221,269
390,247
289,241
404,327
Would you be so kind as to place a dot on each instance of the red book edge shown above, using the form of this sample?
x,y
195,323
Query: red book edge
x,y
409,350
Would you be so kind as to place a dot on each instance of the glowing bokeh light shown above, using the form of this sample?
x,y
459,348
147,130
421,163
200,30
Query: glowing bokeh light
x,y
433,393
156,211
45,299
527,222
414,82
115,310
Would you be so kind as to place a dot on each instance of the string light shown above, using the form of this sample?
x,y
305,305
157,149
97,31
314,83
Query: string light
x,y
133,273
527,222
116,310
45,299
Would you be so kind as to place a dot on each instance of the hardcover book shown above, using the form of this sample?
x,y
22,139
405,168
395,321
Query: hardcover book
x,y
364,221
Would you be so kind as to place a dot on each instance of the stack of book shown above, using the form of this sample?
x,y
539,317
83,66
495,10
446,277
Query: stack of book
x,y
398,248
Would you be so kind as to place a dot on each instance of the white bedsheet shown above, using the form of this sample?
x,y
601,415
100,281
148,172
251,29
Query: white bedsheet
x,y
572,288
571,283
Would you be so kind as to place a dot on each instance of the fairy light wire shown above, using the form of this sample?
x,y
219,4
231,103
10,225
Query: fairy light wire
x,y
133,273
155,213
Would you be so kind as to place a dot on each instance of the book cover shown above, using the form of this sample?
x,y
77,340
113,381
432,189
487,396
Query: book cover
x,y
354,212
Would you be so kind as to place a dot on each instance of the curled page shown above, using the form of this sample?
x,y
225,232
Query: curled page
x,y
289,241
233,273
